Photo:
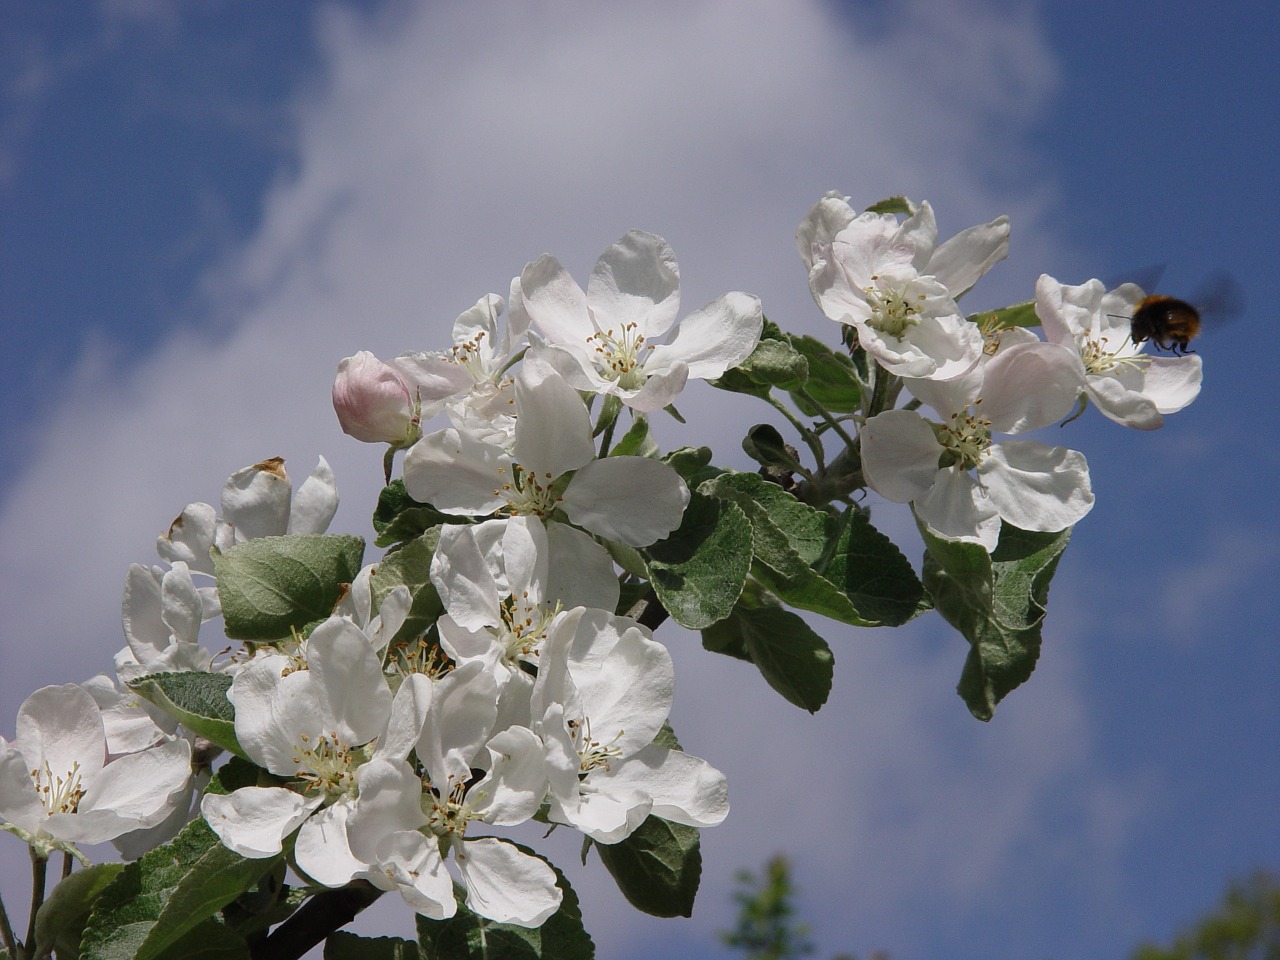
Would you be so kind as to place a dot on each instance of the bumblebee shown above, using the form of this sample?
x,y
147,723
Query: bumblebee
x,y
1169,323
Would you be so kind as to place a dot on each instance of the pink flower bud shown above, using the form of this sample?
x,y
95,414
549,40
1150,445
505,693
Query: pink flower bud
x,y
373,401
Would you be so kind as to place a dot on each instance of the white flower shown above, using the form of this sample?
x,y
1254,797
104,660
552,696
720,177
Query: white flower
x,y
896,287
633,500
604,690
57,787
605,340
305,724
502,582
962,483
1129,386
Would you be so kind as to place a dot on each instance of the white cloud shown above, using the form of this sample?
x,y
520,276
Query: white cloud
x,y
442,147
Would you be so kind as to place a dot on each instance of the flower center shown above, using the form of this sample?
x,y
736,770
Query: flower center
x,y
449,810
327,766
892,311
526,625
469,355
527,494
1099,360
618,355
59,794
965,438
594,753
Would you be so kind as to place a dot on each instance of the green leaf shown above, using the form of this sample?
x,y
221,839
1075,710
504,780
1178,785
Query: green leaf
x,y
793,659
833,380
897,204
348,946
699,570
997,603
272,585
398,517
163,905
61,919
469,936
874,573
692,463
657,868
196,700
638,441
1016,315
410,566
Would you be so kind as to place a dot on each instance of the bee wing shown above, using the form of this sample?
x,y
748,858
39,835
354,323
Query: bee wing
x,y
1220,298
1147,278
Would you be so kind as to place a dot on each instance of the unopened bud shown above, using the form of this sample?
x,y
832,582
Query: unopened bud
x,y
373,401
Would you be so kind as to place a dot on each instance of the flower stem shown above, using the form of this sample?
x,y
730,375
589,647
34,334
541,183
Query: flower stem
x,y
809,437
39,869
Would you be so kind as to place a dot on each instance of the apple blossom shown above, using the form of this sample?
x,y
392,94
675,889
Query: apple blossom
x,y
373,401
604,340
1129,386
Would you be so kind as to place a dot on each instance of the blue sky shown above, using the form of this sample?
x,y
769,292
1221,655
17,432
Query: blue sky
x,y
203,207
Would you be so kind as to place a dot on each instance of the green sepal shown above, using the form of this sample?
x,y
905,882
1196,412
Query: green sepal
x,y
637,441
165,905
469,936
398,517
699,570
197,700
271,586
997,602
61,919
791,657
657,868
609,411
349,946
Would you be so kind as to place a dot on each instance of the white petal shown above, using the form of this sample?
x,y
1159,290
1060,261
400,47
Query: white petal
x,y
957,508
899,455
190,537
255,500
409,712
60,727
505,884
658,390
389,800
1067,313
1037,487
555,303
636,281
1173,382
181,607
1030,385
553,428
516,782
463,710
253,821
315,502
352,693
684,789
961,261
322,851
20,805
580,571
135,791
711,340
633,500
411,863
464,579
1117,402
456,473
825,219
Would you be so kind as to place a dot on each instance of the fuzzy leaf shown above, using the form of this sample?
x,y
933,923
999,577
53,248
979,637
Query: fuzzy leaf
x,y
793,659
197,700
272,585
699,570
657,868
164,904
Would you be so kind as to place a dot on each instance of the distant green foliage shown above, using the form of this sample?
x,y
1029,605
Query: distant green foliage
x,y
767,929
1246,926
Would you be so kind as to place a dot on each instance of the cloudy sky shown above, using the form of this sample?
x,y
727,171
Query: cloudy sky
x,y
205,205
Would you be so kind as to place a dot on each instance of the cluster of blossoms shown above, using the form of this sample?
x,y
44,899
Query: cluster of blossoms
x,y
897,290
492,667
